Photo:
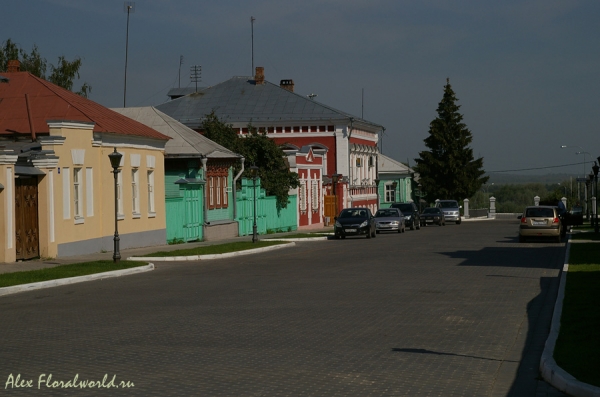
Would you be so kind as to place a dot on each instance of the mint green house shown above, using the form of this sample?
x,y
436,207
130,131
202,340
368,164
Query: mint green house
x,y
200,201
395,181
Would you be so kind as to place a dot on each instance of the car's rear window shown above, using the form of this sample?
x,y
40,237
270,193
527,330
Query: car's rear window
x,y
540,212
448,204
403,207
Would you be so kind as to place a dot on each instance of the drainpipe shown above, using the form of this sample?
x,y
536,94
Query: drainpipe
x,y
350,164
204,202
234,189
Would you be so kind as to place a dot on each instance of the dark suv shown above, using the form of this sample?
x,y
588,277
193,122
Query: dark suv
x,y
410,211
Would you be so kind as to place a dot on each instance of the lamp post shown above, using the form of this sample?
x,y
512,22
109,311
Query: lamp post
x,y
334,180
254,173
581,152
377,180
588,182
115,161
595,168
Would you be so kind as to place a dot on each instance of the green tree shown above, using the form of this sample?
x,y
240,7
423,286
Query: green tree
x,y
448,170
63,74
259,150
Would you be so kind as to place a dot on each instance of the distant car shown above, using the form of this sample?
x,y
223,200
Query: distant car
x,y
354,222
432,216
389,220
451,210
540,221
412,218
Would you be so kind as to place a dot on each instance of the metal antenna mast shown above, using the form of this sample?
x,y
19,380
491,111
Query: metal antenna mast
x,y
129,8
180,63
252,19
196,74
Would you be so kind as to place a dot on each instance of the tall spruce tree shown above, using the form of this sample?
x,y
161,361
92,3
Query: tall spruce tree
x,y
448,170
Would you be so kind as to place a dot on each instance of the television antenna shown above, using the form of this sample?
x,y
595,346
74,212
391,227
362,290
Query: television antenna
x,y
180,63
196,74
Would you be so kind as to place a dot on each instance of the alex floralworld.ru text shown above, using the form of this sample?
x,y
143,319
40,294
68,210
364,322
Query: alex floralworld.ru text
x,y
46,381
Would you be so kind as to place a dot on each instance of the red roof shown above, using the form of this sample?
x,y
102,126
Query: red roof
x,y
49,102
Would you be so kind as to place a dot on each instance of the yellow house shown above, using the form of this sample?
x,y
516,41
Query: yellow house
x,y
58,193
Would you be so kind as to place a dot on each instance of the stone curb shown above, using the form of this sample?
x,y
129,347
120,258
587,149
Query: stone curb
x,y
207,257
73,280
551,372
297,239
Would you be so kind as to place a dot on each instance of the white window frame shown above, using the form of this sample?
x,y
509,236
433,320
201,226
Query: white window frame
x,y
89,191
135,192
78,195
151,208
303,195
225,192
120,213
390,193
66,186
218,191
315,194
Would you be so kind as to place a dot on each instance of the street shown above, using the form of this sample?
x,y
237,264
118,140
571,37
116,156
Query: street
x,y
460,310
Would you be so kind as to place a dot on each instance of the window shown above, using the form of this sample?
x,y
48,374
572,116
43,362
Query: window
x,y
135,191
371,161
77,194
120,195
211,191
218,191
151,209
358,162
224,189
390,193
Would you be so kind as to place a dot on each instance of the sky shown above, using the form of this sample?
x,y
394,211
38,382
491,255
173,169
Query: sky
x,y
526,73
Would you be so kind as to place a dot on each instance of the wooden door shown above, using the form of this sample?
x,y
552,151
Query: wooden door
x,y
330,209
26,222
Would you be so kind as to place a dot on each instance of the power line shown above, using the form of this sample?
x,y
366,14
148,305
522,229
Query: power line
x,y
536,168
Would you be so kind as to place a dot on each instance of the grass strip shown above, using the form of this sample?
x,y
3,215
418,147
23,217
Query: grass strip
x,y
578,346
586,236
217,249
64,271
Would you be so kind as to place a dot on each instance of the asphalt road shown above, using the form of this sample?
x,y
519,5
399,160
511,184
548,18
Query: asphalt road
x,y
460,310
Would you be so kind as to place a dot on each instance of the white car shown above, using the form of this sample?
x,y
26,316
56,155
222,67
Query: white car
x,y
451,210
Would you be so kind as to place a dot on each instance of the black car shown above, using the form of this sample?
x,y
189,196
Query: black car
x,y
354,222
433,216
410,211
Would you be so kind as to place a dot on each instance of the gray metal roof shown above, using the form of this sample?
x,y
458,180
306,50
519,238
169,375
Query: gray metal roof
x,y
185,142
386,165
240,100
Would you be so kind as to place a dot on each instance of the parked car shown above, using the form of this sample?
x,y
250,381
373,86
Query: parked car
x,y
540,221
451,210
354,222
412,218
433,216
573,217
389,220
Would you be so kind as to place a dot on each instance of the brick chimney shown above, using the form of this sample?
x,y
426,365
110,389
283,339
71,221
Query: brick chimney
x,y
259,78
13,66
287,85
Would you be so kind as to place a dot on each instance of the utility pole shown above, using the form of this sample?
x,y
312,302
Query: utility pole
x,y
252,19
129,7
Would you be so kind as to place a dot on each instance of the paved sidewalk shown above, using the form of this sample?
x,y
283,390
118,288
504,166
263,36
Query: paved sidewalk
x,y
126,253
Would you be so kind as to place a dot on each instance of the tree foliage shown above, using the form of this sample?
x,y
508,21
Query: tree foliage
x,y
448,169
62,74
259,150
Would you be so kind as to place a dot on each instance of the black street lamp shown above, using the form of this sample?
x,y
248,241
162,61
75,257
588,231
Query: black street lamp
x,y
595,168
335,179
115,162
377,180
588,181
254,173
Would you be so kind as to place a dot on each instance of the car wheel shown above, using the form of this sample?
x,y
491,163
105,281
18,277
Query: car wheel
x,y
458,222
521,239
558,239
419,225
377,232
343,237
368,234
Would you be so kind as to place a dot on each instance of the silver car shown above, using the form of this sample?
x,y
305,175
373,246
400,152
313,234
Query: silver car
x,y
451,210
389,220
